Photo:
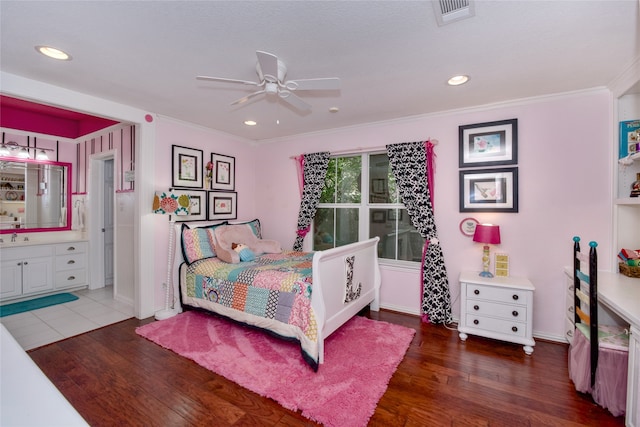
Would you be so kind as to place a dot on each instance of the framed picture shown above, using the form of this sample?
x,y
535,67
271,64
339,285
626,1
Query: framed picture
x,y
378,216
197,208
186,167
489,190
223,172
379,186
488,144
468,226
502,265
222,205
394,214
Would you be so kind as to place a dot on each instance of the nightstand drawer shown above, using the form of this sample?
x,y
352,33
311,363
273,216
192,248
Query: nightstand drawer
x,y
506,295
510,312
499,326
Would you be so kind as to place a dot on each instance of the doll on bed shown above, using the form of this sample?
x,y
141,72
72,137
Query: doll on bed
x,y
244,252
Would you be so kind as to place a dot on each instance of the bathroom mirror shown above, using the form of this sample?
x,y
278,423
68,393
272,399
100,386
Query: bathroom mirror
x,y
35,196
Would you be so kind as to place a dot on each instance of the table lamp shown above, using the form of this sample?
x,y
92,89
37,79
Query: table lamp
x,y
488,234
168,203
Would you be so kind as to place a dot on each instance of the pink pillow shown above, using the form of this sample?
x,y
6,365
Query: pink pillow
x,y
228,234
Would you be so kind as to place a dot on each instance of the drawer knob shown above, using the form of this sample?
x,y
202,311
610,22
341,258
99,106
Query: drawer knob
x,y
71,248
570,333
476,321
515,313
515,297
514,328
71,278
477,292
476,307
570,309
71,261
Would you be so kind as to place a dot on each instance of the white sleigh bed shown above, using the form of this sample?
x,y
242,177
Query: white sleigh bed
x,y
341,282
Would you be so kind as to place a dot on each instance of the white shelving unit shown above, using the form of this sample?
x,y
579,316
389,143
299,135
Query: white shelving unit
x,y
626,213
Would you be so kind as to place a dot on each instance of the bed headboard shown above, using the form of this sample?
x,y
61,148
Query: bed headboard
x,y
178,257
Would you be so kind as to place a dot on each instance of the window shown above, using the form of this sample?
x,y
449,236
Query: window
x,y
360,200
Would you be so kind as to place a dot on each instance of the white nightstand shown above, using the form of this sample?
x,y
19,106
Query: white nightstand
x,y
497,307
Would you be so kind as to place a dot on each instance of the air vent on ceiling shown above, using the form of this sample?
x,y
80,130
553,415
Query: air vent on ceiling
x,y
448,11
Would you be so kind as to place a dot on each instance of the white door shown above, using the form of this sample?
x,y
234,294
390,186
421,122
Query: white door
x,y
108,222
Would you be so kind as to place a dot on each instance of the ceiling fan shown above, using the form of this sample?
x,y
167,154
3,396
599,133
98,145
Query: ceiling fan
x,y
271,72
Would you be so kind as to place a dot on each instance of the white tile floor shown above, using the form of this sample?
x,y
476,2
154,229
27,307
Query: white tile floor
x,y
92,310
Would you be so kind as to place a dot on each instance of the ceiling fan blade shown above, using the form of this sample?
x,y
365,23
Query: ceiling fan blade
x,y
248,97
294,100
330,83
269,65
220,79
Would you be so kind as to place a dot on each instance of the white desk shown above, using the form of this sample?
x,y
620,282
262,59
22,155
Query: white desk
x,y
621,294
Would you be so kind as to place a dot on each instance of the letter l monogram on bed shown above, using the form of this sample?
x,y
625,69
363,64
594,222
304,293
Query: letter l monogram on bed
x,y
351,294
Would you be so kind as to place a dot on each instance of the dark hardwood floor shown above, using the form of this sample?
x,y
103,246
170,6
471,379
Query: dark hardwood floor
x,y
114,377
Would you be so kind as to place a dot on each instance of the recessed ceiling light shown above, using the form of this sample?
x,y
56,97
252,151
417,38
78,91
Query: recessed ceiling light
x,y
457,80
334,109
250,123
54,53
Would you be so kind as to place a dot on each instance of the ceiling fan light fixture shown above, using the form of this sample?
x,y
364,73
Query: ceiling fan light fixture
x,y
458,80
54,53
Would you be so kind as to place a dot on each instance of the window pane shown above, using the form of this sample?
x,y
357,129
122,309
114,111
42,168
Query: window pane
x,y
329,191
342,184
323,226
349,173
382,185
335,227
398,238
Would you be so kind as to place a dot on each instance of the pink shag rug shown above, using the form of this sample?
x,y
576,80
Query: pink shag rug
x,y
360,359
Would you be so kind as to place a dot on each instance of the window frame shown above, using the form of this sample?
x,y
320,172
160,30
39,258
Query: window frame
x,y
365,208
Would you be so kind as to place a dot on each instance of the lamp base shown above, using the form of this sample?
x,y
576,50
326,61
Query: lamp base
x,y
485,274
165,314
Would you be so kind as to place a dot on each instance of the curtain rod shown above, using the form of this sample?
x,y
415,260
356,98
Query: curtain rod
x,y
365,149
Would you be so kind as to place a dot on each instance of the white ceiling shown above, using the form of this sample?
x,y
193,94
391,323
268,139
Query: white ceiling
x,y
391,56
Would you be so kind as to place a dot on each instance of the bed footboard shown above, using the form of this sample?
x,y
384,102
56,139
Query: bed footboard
x,y
345,280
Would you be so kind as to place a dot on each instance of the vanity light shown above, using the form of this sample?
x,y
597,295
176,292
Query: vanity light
x,y
458,80
23,153
13,149
54,53
250,122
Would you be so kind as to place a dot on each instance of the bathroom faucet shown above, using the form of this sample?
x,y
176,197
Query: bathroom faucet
x,y
14,236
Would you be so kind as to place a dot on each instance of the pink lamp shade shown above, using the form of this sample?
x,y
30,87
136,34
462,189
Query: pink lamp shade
x,y
487,233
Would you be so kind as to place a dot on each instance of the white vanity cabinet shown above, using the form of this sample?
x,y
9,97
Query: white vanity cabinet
x,y
26,270
37,269
70,264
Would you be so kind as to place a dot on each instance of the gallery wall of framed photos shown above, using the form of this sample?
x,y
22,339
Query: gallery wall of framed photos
x,y
210,186
488,158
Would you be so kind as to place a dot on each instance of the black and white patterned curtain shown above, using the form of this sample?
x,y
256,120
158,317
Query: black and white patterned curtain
x,y
314,168
412,166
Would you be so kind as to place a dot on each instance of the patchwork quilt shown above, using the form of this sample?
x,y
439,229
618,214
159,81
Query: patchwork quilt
x,y
272,292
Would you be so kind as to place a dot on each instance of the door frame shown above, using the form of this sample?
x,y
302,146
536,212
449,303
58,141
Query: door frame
x,y
145,123
96,219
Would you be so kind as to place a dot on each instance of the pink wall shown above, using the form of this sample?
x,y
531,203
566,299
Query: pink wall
x,y
565,190
170,132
